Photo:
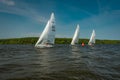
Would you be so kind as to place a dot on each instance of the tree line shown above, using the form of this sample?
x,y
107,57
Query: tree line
x,y
33,40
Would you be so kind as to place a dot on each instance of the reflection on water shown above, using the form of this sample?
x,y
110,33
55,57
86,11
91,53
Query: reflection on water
x,y
44,59
75,50
63,62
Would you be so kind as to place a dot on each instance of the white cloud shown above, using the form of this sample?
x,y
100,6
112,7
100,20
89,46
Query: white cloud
x,y
8,2
21,8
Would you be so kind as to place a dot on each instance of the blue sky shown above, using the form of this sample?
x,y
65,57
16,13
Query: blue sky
x,y
27,18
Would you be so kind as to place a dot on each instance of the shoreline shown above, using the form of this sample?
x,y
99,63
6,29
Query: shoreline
x,y
33,40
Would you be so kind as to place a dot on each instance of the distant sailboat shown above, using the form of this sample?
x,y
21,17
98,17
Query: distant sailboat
x,y
47,37
75,38
92,38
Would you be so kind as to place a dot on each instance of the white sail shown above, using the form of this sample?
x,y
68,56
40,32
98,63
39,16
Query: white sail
x,y
92,38
47,37
75,38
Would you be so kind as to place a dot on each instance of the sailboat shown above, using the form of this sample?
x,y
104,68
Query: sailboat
x,y
92,38
47,37
75,38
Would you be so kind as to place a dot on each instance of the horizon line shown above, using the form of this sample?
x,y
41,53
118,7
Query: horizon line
x,y
55,37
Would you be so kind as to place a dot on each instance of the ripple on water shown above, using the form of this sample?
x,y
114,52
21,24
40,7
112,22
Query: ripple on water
x,y
63,62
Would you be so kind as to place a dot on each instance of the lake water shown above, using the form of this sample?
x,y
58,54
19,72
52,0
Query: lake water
x,y
63,62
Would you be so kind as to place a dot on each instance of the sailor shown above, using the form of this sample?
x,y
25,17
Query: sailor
x,y
83,44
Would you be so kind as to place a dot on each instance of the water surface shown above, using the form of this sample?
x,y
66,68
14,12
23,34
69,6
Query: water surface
x,y
63,62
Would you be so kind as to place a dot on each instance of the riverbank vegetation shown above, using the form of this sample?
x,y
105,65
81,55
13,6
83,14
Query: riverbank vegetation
x,y
33,40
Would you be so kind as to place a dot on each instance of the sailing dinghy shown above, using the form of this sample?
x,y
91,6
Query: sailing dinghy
x,y
75,38
92,38
47,37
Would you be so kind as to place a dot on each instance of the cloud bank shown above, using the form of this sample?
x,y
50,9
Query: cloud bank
x,y
21,8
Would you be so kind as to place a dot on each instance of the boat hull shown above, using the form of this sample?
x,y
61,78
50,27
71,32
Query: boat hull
x,y
44,46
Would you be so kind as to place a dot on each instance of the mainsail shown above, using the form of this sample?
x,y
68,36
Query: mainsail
x,y
76,36
47,37
92,38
